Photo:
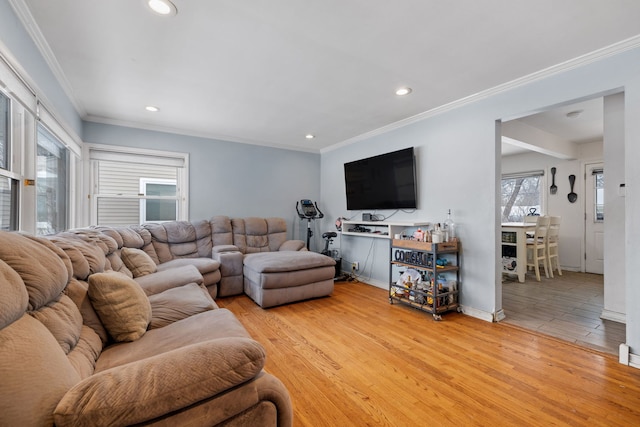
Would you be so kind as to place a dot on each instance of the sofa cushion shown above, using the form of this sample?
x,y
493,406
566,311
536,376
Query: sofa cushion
x,y
209,325
14,299
178,303
35,374
254,234
277,262
162,280
121,304
78,291
44,268
139,392
138,262
180,239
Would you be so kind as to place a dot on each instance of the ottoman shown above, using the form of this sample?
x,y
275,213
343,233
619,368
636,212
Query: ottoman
x,y
275,278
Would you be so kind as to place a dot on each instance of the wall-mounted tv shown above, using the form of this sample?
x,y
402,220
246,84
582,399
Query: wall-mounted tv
x,y
386,181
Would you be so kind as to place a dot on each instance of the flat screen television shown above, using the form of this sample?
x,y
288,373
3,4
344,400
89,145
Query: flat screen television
x,y
386,181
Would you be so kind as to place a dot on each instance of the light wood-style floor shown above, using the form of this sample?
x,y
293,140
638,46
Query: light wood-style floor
x,y
567,307
353,359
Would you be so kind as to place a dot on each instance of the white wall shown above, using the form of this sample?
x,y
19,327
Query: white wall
x,y
454,172
458,170
614,209
631,239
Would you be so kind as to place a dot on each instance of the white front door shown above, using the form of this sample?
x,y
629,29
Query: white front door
x,y
594,218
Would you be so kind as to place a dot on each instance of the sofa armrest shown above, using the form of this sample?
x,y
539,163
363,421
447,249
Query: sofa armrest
x,y
293,245
160,281
150,388
230,259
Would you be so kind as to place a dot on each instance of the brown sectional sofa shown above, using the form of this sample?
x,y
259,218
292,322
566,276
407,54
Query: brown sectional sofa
x,y
83,342
235,255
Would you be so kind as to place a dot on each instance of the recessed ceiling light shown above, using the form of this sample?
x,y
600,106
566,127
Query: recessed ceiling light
x,y
152,108
574,114
403,91
309,136
162,7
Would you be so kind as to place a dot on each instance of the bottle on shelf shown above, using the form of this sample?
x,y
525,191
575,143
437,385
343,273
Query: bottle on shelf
x,y
449,228
436,235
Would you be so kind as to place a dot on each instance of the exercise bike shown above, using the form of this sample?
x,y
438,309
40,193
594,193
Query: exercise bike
x,y
310,211
328,239
328,236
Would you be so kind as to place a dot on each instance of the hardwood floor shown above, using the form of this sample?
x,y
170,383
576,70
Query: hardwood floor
x,y
567,307
353,359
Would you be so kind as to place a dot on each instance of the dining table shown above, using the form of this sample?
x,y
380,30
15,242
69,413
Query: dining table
x,y
514,234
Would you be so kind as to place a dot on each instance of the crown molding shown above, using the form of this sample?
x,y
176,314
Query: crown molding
x,y
28,22
597,55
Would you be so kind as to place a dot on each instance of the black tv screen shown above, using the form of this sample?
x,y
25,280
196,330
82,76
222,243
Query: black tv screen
x,y
386,181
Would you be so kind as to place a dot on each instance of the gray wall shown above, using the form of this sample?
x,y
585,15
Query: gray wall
x,y
228,178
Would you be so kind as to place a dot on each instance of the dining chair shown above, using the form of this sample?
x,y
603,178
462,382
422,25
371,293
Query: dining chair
x,y
530,219
537,247
553,240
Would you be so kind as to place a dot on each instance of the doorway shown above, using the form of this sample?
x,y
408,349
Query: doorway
x,y
568,306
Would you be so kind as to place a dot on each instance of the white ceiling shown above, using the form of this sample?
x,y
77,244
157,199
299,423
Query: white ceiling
x,y
586,126
269,72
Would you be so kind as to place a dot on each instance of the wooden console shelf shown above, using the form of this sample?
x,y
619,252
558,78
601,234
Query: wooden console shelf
x,y
434,261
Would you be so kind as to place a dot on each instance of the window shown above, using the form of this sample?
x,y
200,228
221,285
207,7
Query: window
x,y
51,183
4,132
8,185
521,195
162,208
8,204
134,186
599,194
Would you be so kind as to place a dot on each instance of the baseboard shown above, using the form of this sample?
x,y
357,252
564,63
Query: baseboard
x,y
613,316
478,314
634,360
376,283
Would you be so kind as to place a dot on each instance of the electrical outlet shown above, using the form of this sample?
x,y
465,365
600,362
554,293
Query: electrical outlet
x,y
355,266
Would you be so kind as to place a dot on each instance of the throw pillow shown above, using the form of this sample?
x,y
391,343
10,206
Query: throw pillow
x,y
138,262
178,303
121,304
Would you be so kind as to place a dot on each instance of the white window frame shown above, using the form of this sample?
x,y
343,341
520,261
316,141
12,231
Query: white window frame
x,y
93,152
531,174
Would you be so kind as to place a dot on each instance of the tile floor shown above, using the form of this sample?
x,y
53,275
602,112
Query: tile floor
x,y
567,307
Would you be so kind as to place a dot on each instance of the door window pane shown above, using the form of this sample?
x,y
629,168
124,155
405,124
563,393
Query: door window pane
x,y
51,184
599,195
